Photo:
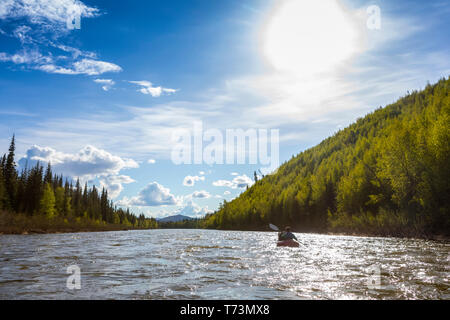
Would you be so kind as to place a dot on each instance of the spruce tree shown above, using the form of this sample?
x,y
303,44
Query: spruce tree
x,y
10,176
2,190
48,174
104,205
76,204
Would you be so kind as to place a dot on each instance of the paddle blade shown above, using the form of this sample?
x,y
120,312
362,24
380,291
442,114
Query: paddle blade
x,y
273,227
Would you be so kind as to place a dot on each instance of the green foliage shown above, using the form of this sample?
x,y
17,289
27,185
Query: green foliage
x,y
388,173
59,200
48,202
184,224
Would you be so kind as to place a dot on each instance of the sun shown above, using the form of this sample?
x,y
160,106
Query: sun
x,y
305,37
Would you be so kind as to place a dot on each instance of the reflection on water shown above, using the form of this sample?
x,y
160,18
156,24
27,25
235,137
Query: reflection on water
x,y
206,264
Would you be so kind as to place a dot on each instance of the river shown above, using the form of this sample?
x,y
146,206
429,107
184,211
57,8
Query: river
x,y
208,264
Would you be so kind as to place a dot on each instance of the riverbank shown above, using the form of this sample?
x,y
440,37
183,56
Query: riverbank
x,y
401,233
40,224
69,229
299,230
22,224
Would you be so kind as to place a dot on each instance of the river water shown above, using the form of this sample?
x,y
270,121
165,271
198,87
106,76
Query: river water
x,y
207,264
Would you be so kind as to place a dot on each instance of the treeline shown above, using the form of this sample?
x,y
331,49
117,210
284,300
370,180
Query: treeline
x,y
196,223
35,192
386,174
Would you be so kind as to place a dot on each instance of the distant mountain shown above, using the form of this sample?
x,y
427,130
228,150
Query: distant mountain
x,y
175,218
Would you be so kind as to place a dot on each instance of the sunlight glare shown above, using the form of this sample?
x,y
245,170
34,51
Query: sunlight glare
x,y
309,36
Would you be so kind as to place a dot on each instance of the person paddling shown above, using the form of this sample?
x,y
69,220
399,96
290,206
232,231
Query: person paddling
x,y
286,235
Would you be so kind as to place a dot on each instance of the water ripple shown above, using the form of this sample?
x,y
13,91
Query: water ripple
x,y
206,264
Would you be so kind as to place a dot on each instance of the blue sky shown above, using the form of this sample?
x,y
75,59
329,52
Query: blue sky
x,y
99,102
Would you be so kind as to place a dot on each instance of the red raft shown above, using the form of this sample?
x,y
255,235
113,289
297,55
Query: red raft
x,y
288,243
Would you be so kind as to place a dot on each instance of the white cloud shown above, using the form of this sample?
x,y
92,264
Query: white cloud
x,y
242,181
193,210
25,56
40,26
87,164
152,195
223,183
151,161
150,129
51,68
114,184
35,60
148,88
238,182
106,83
189,181
45,11
94,67
74,51
202,173
227,192
203,194
234,174
84,66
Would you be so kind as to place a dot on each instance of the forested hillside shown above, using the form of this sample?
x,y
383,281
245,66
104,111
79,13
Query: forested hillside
x,y
34,199
386,174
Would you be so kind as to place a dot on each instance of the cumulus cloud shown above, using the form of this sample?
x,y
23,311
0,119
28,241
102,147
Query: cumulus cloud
x,y
87,164
40,26
151,161
238,182
189,181
242,181
153,195
114,184
191,209
223,183
203,194
227,192
89,161
106,83
148,88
